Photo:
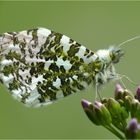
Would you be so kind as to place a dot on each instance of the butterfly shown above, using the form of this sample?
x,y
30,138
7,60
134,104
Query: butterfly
x,y
40,66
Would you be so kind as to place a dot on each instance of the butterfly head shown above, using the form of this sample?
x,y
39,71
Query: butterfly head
x,y
110,55
115,54
107,58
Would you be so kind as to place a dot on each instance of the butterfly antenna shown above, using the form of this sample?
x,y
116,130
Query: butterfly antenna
x,y
131,39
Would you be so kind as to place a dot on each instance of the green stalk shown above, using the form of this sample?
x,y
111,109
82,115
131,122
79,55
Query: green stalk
x,y
115,131
119,126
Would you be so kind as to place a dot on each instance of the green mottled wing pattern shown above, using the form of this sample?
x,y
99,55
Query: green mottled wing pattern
x,y
39,66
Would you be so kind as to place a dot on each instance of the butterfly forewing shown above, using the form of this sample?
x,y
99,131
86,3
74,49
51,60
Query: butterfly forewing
x,y
38,66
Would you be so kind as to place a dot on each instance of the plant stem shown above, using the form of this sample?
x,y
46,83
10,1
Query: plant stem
x,y
114,131
119,126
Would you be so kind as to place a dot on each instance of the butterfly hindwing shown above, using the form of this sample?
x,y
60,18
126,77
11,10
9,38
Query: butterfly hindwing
x,y
38,66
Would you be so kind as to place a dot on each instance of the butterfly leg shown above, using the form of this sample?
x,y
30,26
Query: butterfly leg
x,y
120,76
121,81
97,93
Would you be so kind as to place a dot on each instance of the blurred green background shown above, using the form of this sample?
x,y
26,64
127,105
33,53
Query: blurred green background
x,y
94,24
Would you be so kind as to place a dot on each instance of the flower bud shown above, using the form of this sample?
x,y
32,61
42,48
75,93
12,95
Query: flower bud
x,y
119,88
133,125
102,113
97,112
118,112
128,102
113,107
118,91
128,93
98,104
124,114
88,108
138,93
121,102
85,103
133,129
104,100
135,110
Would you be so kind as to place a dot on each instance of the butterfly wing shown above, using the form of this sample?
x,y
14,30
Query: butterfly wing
x,y
39,66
